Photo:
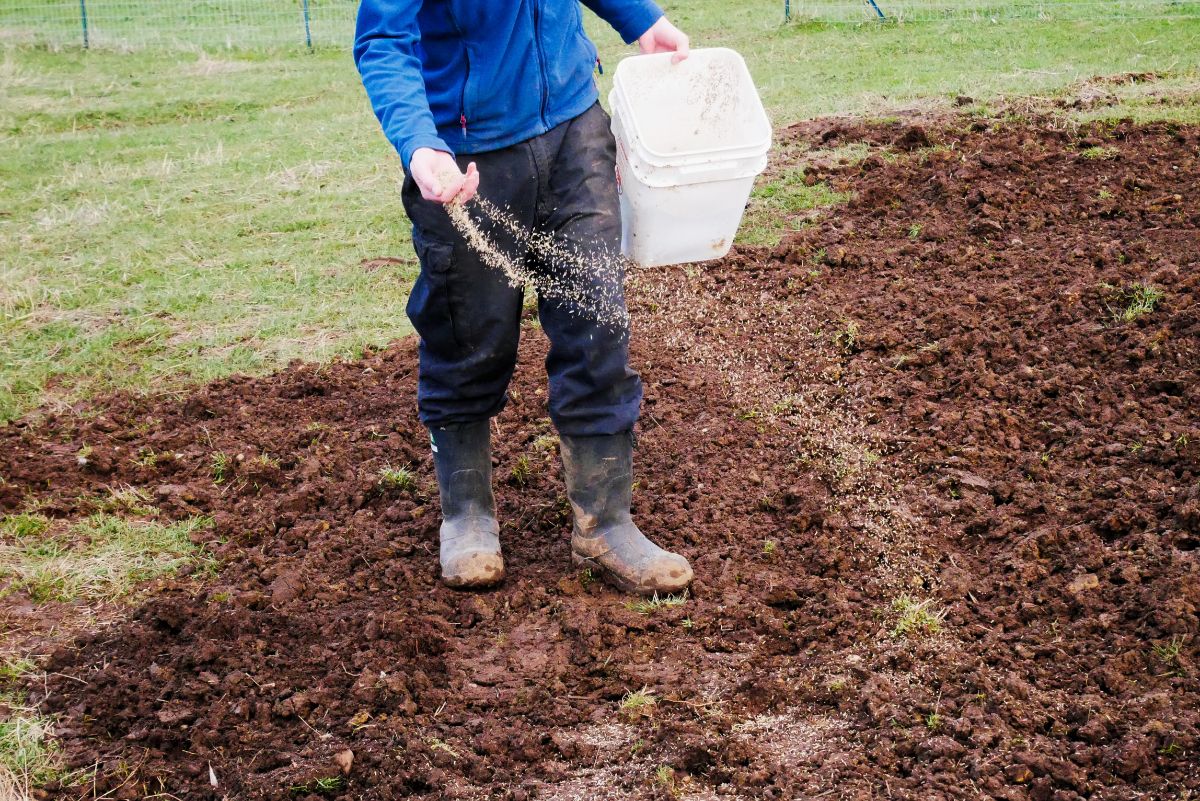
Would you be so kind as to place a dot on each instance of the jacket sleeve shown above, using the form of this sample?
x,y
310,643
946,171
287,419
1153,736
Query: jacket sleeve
x,y
385,52
630,18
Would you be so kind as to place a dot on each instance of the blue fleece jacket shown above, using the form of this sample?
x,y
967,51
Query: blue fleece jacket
x,y
468,76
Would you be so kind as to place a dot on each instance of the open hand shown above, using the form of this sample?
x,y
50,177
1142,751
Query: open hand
x,y
663,37
438,177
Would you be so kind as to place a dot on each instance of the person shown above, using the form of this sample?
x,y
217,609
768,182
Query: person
x,y
499,99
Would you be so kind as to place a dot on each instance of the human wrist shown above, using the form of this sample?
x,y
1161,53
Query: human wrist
x,y
423,142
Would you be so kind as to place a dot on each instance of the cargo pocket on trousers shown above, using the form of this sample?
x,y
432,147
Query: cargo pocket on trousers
x,y
430,305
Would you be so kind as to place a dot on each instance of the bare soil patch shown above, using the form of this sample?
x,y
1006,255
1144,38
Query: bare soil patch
x,y
932,396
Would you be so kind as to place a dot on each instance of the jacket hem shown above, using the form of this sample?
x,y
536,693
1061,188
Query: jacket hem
x,y
473,144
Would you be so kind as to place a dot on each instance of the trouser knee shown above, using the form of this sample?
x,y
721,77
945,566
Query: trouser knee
x,y
469,325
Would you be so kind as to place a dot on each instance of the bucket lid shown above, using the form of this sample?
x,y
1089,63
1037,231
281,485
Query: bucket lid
x,y
706,105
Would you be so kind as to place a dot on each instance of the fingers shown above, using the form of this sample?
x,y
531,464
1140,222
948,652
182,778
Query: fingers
x,y
653,44
451,188
440,192
431,189
681,48
648,41
443,185
663,37
433,184
437,176
470,185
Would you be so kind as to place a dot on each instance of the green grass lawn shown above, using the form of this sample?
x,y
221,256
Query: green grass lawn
x,y
168,217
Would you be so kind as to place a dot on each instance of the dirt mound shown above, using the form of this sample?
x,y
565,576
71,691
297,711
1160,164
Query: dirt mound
x,y
905,134
936,468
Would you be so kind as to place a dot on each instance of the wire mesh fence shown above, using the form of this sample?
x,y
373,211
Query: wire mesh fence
x,y
981,10
250,24
242,24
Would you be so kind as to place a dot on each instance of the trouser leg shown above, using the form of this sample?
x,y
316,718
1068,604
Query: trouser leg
x,y
593,391
468,318
594,395
467,314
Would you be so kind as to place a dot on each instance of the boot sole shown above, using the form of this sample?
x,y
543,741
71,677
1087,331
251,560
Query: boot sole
x,y
473,584
616,580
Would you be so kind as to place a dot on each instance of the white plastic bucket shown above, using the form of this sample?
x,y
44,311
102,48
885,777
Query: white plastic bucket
x,y
691,137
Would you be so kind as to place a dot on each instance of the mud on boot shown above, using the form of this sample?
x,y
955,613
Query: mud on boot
x,y
470,535
599,474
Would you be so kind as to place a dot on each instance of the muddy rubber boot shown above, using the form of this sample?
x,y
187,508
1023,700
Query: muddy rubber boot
x,y
470,535
599,474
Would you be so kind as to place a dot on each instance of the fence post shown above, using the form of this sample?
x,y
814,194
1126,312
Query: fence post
x,y
83,21
307,29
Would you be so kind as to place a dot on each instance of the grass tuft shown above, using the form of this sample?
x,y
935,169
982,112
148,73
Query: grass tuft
x,y
916,617
101,558
1137,300
12,669
846,339
29,756
1168,653
546,443
24,525
648,606
640,703
267,461
321,786
774,204
522,470
398,478
440,745
221,466
128,500
664,777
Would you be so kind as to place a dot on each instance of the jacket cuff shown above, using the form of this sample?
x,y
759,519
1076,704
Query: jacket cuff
x,y
637,20
410,146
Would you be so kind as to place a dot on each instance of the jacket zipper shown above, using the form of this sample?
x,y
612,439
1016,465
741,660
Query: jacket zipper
x,y
462,116
462,101
537,37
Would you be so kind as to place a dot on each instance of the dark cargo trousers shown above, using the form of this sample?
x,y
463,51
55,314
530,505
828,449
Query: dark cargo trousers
x,y
468,315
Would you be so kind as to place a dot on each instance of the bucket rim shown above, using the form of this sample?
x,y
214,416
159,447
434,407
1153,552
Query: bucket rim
x,y
660,158
751,170
686,157
661,176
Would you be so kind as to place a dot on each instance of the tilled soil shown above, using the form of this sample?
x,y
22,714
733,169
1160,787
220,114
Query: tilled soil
x,y
927,396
